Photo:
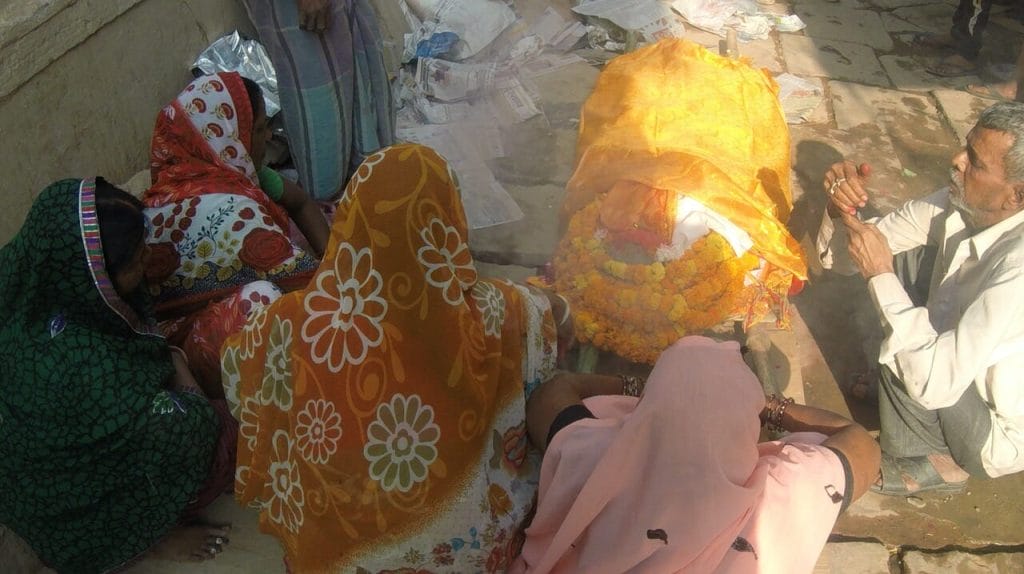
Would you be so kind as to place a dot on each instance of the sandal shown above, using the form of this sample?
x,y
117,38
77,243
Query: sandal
x,y
987,91
947,68
931,41
912,475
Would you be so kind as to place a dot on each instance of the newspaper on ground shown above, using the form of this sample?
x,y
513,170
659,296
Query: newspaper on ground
x,y
476,22
754,27
548,62
486,202
434,112
788,23
558,32
799,97
513,102
527,47
713,15
452,81
652,18
744,16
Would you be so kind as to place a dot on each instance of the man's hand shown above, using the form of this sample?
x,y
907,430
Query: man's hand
x,y
869,249
314,15
844,183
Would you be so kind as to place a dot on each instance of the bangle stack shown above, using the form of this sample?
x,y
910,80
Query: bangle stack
x,y
776,409
632,386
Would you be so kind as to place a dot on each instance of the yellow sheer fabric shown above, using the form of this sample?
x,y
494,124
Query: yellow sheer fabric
x,y
669,121
674,116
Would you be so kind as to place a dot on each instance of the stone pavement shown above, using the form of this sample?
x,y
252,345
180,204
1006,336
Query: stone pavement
x,y
881,108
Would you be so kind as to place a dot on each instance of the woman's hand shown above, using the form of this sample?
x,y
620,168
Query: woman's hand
x,y
307,216
314,15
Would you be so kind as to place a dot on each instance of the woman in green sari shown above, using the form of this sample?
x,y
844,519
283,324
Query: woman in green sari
x,y
105,440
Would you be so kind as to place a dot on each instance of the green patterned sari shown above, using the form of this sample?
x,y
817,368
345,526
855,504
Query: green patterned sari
x,y
97,458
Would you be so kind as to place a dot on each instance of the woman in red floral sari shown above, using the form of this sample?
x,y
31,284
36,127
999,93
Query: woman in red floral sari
x,y
219,222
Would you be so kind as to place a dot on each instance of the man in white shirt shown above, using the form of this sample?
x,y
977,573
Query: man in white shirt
x,y
952,306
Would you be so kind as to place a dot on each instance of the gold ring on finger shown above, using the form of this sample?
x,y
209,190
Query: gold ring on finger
x,y
835,185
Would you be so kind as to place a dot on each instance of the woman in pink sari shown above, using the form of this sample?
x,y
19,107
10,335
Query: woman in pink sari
x,y
676,480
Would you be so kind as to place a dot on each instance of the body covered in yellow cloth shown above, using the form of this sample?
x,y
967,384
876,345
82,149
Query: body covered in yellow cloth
x,y
673,135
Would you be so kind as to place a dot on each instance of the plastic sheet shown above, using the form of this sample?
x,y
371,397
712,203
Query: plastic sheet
x,y
232,53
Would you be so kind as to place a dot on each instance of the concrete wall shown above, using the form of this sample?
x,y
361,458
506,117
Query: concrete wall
x,y
81,82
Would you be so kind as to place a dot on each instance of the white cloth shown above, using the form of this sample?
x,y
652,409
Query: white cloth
x,y
972,328
695,220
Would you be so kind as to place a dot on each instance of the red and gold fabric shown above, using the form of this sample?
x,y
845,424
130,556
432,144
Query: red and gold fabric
x,y
382,408
666,122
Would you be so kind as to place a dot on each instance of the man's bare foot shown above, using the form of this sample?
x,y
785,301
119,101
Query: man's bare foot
x,y
195,543
1005,91
928,41
953,67
864,386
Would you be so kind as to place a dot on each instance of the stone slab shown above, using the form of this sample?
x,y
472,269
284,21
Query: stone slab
x,y
46,36
989,513
831,21
536,154
815,148
962,109
856,104
17,556
569,85
1005,20
835,59
918,133
908,73
915,562
893,4
528,242
935,17
762,53
76,117
250,550
853,558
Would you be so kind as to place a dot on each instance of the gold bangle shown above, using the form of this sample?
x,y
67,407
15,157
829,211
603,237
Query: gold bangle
x,y
776,410
632,385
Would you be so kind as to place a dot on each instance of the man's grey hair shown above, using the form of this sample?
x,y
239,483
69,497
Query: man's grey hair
x,y
1008,117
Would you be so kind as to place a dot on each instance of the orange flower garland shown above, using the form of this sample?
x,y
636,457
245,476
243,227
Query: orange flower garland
x,y
637,310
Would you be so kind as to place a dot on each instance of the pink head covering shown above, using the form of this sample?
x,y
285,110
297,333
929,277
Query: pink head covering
x,y
661,485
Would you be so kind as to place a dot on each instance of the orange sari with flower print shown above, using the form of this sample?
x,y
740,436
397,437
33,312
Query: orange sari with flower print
x,y
382,409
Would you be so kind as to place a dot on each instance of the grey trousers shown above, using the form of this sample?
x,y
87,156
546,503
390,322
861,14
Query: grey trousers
x,y
908,429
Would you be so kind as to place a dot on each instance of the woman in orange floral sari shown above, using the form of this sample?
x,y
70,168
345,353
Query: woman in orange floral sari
x,y
382,409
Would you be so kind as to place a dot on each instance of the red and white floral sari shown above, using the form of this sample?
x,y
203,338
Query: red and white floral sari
x,y
213,231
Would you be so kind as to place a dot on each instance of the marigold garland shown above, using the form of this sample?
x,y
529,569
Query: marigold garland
x,y
637,310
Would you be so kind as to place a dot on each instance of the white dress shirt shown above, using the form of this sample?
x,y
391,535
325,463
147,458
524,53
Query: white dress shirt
x,y
972,329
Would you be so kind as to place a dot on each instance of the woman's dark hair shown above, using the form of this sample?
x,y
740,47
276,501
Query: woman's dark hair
x,y
122,225
255,93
